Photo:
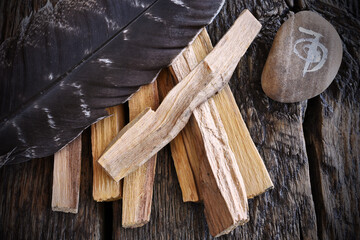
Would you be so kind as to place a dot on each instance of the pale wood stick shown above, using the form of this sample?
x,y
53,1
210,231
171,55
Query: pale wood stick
x,y
66,178
140,140
252,167
222,186
256,177
102,132
186,148
138,185
195,149
222,190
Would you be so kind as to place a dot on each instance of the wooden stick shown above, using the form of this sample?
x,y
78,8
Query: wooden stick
x,y
186,148
195,149
222,187
138,186
256,177
66,178
252,167
150,132
102,132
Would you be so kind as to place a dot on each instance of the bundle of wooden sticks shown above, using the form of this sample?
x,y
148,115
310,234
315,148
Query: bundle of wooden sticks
x,y
216,161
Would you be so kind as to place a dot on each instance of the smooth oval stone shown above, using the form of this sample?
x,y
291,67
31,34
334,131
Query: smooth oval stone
x,y
304,59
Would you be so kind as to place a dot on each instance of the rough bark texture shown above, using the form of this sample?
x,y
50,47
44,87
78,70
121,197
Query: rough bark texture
x,y
332,133
311,150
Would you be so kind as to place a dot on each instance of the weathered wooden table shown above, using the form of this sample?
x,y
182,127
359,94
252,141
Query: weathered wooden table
x,y
311,150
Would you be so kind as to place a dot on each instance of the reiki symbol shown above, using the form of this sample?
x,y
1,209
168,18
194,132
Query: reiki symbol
x,y
316,52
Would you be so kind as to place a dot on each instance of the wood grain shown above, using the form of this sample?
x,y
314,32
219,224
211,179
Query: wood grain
x,y
187,148
221,184
155,129
252,168
138,186
66,178
332,136
102,132
286,212
25,206
256,177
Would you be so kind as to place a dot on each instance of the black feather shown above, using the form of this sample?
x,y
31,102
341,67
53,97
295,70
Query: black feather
x,y
76,58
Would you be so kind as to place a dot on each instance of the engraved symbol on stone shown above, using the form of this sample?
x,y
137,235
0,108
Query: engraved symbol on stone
x,y
316,53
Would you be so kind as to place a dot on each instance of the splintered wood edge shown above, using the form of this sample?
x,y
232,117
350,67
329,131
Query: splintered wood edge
x,y
148,113
222,186
223,189
138,185
65,209
66,178
180,152
256,177
104,187
204,81
252,167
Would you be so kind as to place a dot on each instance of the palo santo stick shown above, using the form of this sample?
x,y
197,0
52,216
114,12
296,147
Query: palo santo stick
x,y
222,186
102,132
138,185
195,149
223,189
150,132
66,178
186,148
252,167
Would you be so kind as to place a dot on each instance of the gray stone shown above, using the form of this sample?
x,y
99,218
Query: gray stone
x,y
304,59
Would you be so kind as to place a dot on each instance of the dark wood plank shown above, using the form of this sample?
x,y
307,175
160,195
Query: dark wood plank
x,y
287,211
25,203
332,130
311,150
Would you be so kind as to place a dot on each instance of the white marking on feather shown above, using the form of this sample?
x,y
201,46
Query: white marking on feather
x,y
36,106
27,154
87,51
155,18
137,3
125,34
30,152
85,108
76,85
64,25
112,24
180,3
19,133
105,60
51,76
50,118
51,122
56,138
79,92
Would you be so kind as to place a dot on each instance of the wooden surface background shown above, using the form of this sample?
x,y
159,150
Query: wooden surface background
x,y
311,150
